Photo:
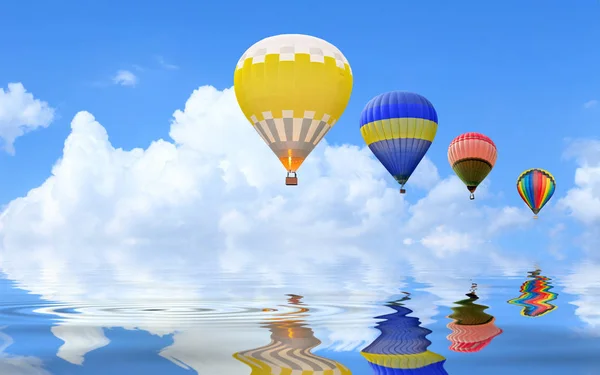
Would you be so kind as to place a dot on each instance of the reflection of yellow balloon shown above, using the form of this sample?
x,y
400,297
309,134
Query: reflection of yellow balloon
x,y
292,88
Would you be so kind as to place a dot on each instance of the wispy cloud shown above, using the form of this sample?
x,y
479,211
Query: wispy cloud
x,y
166,65
591,104
125,78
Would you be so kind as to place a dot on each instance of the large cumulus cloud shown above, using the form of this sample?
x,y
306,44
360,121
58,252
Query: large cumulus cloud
x,y
214,198
206,217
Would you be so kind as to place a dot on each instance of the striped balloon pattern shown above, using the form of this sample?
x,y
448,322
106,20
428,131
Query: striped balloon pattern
x,y
472,328
289,351
399,128
472,157
401,348
536,187
536,295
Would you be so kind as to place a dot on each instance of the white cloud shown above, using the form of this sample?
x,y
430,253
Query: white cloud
x,y
583,281
78,341
125,78
161,61
208,218
21,113
18,365
442,241
590,104
583,200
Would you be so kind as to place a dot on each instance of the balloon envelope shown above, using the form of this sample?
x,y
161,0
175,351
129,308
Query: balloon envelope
x,y
399,128
472,328
536,187
402,347
290,349
536,295
472,157
292,88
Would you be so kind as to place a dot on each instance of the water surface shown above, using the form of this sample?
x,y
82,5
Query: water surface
x,y
345,322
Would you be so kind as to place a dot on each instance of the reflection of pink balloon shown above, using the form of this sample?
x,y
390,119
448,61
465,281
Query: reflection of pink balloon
x,y
472,338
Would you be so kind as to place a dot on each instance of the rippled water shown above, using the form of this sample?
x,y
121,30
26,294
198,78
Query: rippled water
x,y
339,323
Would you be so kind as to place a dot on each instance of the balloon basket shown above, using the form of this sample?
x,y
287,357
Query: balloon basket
x,y
291,179
472,196
402,191
535,216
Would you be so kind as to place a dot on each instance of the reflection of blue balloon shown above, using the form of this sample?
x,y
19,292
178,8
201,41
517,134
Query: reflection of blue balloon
x,y
401,348
399,128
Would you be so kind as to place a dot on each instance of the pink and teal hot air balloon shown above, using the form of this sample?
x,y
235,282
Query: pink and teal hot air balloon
x,y
472,328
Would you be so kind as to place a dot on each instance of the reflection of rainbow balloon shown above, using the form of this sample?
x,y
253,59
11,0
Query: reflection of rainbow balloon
x,y
289,352
401,349
472,328
535,295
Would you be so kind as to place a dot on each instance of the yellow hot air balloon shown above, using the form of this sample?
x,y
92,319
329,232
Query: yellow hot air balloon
x,y
292,88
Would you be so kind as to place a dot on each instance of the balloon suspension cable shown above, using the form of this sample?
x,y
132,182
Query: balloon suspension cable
x,y
472,196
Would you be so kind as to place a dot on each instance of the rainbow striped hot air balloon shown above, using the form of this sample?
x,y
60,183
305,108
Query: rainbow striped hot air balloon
x,y
401,349
472,328
536,187
290,349
472,157
535,296
399,128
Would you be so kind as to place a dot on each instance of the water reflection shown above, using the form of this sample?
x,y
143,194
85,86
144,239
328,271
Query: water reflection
x,y
535,295
472,328
17,365
289,351
78,341
401,348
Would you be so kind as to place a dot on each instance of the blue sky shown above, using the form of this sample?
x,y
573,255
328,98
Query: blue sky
x,y
519,73
210,197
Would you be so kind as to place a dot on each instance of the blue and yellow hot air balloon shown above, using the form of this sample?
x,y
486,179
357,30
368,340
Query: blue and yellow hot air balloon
x,y
536,295
536,187
292,88
401,348
399,128
289,351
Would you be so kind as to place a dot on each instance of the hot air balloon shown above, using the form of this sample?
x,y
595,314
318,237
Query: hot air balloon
x,y
535,296
472,328
290,349
399,128
401,349
472,157
292,88
536,187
